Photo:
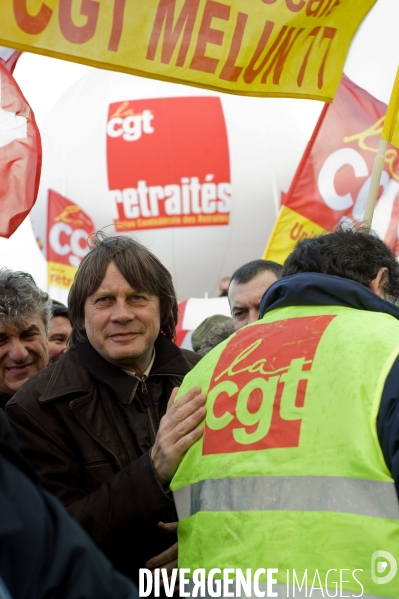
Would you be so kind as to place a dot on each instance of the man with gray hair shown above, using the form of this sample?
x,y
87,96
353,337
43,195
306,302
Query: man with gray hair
x,y
24,321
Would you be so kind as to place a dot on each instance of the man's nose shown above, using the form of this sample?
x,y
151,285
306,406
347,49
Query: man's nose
x,y
253,315
17,350
121,312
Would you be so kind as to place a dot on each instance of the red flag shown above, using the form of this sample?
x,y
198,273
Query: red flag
x,y
181,333
9,57
333,178
68,228
20,155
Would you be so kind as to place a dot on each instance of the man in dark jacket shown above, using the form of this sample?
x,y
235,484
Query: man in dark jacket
x,y
89,422
43,552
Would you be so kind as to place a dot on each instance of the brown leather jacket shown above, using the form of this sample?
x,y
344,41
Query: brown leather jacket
x,y
87,428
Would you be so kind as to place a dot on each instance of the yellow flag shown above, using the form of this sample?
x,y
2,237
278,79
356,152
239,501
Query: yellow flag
x,y
289,227
293,48
390,130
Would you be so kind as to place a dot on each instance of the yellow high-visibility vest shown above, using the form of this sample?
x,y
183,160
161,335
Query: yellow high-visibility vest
x,y
289,473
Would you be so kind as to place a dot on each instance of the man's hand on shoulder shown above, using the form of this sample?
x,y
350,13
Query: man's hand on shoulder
x,y
178,430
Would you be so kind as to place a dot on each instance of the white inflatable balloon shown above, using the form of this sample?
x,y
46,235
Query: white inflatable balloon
x,y
195,175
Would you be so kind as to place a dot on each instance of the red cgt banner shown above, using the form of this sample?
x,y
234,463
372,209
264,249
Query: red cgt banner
x,y
154,181
237,418
333,178
68,229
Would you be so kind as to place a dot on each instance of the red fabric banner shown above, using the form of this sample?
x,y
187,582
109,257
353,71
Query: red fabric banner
x,y
9,57
20,155
68,229
333,178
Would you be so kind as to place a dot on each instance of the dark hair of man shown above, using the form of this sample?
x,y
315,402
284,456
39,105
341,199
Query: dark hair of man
x,y
58,309
141,269
346,253
249,271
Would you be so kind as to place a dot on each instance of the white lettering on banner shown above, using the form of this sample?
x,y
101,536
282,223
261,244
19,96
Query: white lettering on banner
x,y
131,127
190,197
327,190
360,204
73,246
384,207
291,378
330,168
55,241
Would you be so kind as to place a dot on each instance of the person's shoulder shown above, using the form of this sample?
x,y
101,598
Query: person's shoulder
x,y
170,358
7,434
34,386
54,379
192,357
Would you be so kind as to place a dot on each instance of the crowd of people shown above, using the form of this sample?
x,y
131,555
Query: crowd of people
x,y
95,427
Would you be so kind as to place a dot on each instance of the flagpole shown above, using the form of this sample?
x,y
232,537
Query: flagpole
x,y
386,136
374,185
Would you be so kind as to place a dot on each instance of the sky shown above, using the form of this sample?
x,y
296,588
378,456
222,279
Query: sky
x,y
372,63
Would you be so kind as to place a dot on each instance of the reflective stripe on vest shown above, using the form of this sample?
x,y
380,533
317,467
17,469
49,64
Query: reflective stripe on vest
x,y
299,493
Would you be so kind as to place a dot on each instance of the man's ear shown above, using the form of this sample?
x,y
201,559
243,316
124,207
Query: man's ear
x,y
377,285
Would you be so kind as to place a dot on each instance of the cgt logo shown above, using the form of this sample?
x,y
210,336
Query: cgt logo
x,y
68,230
379,565
130,126
257,393
65,241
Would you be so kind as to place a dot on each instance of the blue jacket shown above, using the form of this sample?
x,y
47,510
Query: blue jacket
x,y
313,289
